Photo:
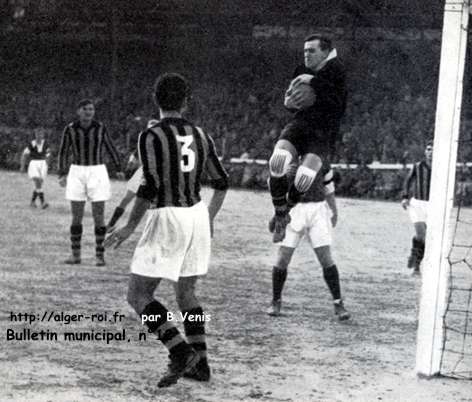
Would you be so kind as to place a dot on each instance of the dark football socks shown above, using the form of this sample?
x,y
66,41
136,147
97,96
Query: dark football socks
x,y
195,330
278,187
331,276
165,330
278,279
99,239
75,238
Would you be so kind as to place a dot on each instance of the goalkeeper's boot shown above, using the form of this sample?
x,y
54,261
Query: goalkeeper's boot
x,y
275,307
201,372
178,365
341,311
278,224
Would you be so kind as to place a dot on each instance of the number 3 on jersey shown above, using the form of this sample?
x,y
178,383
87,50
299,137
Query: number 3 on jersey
x,y
187,163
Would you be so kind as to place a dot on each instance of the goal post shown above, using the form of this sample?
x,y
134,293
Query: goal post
x,y
434,288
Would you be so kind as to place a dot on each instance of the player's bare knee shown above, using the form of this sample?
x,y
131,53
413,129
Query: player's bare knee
x,y
279,162
304,178
284,257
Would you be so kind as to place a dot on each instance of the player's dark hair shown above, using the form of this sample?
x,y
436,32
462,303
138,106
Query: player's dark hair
x,y
84,102
325,42
170,91
429,143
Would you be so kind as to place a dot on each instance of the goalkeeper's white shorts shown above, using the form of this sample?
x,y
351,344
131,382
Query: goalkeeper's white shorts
x,y
135,181
175,242
310,219
418,210
37,169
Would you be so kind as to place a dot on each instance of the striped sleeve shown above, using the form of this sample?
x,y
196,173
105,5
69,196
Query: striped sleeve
x,y
112,151
150,150
215,170
64,152
408,182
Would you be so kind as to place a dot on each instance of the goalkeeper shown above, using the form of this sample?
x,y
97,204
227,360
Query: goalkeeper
x,y
317,96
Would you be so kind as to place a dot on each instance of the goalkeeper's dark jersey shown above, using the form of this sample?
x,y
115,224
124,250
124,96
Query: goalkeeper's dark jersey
x,y
329,84
175,156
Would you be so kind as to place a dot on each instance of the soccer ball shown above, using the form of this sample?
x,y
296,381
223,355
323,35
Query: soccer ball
x,y
299,97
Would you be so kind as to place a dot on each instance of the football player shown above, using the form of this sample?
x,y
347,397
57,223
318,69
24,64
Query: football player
x,y
415,200
38,153
87,176
175,243
317,96
314,217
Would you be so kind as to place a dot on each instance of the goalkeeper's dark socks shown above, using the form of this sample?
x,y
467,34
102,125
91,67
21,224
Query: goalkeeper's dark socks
x,y
293,196
41,196
331,276
278,280
278,187
157,322
194,325
34,196
116,215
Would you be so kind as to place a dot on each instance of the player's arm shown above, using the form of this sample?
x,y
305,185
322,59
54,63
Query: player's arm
x,y
48,154
113,152
147,192
63,153
219,181
329,189
24,159
406,195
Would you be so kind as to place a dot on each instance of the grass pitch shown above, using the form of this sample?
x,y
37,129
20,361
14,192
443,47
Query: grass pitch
x,y
305,355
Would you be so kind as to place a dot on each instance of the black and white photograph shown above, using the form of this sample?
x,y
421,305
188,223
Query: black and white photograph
x,y
236,200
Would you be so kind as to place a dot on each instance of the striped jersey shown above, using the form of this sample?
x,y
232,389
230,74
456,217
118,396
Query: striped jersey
x,y
38,150
175,156
418,182
87,146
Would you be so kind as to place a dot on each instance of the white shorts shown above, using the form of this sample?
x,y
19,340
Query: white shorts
x,y
135,181
418,210
37,169
175,242
312,219
88,183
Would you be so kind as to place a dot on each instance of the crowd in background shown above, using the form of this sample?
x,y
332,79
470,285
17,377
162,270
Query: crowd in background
x,y
237,99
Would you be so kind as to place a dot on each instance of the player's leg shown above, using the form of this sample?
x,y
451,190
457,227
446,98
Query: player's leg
x,y
36,190
98,212
40,192
158,320
120,209
331,277
43,171
279,275
418,246
194,324
279,164
417,211
77,210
